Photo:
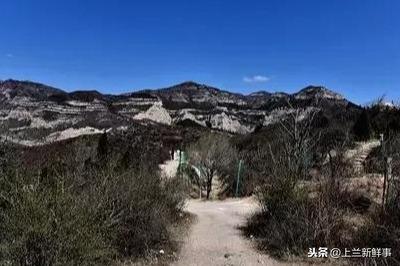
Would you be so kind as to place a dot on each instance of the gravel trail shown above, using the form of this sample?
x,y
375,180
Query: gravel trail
x,y
215,239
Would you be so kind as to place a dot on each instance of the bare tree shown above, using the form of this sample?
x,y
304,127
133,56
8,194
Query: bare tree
x,y
285,154
300,139
212,155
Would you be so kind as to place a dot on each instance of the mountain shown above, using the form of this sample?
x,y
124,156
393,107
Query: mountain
x,y
13,88
318,92
189,94
32,113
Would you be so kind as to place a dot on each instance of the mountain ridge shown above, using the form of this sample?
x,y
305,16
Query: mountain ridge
x,y
29,109
183,86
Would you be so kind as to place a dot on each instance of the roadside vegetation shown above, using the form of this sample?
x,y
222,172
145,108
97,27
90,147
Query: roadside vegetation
x,y
93,216
307,193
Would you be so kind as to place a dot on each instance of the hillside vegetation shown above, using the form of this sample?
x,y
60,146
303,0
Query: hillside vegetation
x,y
93,215
311,195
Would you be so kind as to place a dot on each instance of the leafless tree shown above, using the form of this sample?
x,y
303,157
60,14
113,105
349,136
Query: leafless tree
x,y
300,139
212,155
285,155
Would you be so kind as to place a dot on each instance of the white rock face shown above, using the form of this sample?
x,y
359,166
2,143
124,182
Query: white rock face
x,y
136,102
5,94
156,113
279,114
186,114
55,136
276,115
78,103
224,122
38,122
19,114
72,133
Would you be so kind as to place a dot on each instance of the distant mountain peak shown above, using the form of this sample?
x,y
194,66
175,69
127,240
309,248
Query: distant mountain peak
x,y
15,82
190,87
189,83
319,92
314,88
260,93
87,95
28,88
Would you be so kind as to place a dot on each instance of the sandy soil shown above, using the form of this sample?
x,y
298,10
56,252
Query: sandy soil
x,y
215,238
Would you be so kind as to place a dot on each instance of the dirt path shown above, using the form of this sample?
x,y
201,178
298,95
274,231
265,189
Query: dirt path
x,y
359,154
169,168
215,239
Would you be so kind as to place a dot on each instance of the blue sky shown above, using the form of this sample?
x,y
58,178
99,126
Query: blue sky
x,y
114,46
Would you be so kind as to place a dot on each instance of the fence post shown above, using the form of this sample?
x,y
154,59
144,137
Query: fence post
x,y
238,177
200,183
383,158
389,181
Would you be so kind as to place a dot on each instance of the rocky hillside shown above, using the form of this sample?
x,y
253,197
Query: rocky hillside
x,y
33,113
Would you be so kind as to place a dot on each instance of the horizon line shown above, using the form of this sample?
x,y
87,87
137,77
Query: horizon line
x,y
133,90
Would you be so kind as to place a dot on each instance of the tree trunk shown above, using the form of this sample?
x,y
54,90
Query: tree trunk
x,y
208,189
209,185
200,190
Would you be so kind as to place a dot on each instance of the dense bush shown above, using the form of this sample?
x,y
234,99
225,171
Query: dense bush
x,y
291,221
298,213
91,219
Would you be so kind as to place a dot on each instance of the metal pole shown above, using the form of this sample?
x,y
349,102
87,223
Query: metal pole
x,y
238,177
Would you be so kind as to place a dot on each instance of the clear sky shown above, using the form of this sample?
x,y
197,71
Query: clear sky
x,y
114,46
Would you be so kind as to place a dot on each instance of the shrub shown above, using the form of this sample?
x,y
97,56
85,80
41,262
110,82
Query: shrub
x,y
293,219
85,219
302,226
139,209
46,224
290,221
